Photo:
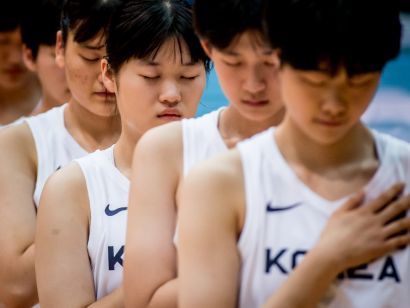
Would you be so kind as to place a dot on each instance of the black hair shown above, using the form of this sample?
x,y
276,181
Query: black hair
x,y
140,27
405,5
222,21
10,15
86,18
361,35
40,23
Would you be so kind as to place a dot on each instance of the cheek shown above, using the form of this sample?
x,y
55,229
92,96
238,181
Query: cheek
x,y
77,74
196,89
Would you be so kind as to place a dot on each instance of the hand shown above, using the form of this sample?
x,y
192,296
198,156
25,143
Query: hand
x,y
358,233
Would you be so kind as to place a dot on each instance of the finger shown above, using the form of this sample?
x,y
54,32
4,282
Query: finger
x,y
354,202
397,208
396,227
386,197
398,242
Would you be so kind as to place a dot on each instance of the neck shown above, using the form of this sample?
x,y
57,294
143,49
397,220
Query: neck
x,y
91,131
46,103
19,102
123,152
300,150
235,128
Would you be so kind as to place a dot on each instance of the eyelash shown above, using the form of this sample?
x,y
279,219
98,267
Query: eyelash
x,y
149,77
90,60
157,77
232,64
189,78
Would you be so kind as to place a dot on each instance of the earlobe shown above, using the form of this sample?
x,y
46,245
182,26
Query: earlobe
x,y
28,58
60,49
107,76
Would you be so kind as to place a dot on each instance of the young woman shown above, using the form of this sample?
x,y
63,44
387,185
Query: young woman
x,y
19,88
32,151
39,42
80,243
242,59
249,216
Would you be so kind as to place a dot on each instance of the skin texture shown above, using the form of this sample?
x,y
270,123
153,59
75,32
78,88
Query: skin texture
x,y
19,169
212,211
145,90
52,77
14,77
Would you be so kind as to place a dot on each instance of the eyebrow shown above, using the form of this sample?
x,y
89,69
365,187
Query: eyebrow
x,y
92,47
233,53
154,63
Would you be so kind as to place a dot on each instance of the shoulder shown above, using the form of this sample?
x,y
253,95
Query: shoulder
x,y
219,182
393,146
161,143
66,188
17,145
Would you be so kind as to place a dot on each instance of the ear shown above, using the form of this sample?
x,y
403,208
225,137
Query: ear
x,y
108,76
207,47
60,50
28,58
276,57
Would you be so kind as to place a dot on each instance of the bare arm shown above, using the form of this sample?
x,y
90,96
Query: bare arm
x,y
367,237
150,258
63,269
17,217
210,219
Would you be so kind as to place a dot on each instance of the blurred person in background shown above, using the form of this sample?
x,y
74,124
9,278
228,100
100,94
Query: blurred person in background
x,y
39,42
19,88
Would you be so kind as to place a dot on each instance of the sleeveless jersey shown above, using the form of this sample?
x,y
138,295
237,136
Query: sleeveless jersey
x,y
55,146
284,219
201,139
108,198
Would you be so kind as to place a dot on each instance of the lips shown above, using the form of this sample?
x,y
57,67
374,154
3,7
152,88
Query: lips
x,y
331,123
255,103
105,94
170,114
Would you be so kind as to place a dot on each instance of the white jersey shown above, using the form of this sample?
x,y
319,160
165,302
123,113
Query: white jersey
x,y
55,146
108,198
201,139
284,219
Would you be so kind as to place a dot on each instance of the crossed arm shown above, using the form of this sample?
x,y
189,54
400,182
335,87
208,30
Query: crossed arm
x,y
63,268
150,254
18,171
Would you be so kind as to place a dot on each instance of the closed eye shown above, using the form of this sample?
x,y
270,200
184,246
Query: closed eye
x,y
150,77
90,59
232,64
189,77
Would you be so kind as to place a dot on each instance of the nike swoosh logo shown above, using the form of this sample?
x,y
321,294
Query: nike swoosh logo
x,y
110,212
270,208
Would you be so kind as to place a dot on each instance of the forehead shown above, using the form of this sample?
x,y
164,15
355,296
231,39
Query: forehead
x,y
174,50
95,43
248,42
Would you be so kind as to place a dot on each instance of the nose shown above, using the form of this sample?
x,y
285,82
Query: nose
x,y
99,77
334,105
254,83
170,93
